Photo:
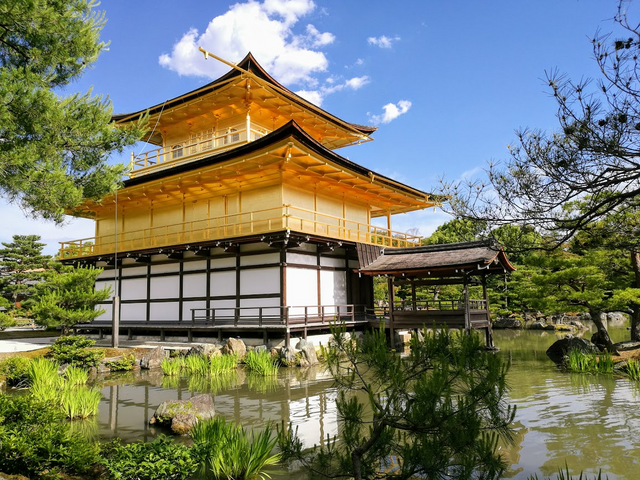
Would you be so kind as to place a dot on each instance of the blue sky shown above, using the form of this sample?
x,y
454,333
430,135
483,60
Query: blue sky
x,y
446,82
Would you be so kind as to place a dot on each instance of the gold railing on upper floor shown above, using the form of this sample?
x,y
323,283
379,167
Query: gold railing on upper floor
x,y
205,144
278,219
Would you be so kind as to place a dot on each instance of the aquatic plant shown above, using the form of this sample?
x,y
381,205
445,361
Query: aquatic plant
x,y
588,363
219,364
633,369
44,381
261,363
196,364
172,366
229,452
566,475
75,376
80,402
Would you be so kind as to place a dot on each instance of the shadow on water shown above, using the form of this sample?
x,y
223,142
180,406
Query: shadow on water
x,y
589,422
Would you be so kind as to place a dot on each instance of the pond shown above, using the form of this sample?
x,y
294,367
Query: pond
x,y
589,422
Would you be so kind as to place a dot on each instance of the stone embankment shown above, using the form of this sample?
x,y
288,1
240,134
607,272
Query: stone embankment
x,y
565,322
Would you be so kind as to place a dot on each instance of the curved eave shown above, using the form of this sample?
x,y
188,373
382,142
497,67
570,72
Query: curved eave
x,y
249,64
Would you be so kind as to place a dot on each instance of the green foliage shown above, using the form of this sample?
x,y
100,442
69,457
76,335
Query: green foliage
x,y
7,320
566,475
124,364
76,376
36,442
589,363
222,364
196,365
261,363
54,148
79,401
75,350
160,459
68,297
23,265
16,371
441,409
455,231
633,370
228,452
172,366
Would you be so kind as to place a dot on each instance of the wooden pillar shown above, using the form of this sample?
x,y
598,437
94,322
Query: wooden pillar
x,y
489,331
467,315
413,295
392,332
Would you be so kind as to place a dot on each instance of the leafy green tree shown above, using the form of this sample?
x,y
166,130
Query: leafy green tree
x,y
456,230
54,149
22,266
69,297
441,410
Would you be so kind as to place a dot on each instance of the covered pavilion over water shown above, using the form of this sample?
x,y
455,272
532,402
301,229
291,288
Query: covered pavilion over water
x,y
467,264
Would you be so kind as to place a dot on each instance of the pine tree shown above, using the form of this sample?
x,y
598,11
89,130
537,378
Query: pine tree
x,y
22,266
69,297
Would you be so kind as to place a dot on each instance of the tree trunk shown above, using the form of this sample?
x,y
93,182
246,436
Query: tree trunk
x,y
602,330
635,316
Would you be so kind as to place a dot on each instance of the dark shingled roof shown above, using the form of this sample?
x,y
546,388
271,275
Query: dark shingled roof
x,y
484,256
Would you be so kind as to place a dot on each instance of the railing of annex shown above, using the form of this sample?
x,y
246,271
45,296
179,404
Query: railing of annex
x,y
277,219
427,305
278,315
205,144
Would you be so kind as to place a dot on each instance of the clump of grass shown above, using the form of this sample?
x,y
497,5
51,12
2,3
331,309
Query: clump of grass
x,y
196,364
80,402
75,376
588,363
228,451
261,363
220,364
633,369
172,366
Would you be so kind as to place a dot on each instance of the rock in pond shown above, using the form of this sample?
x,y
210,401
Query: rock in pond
x,y
235,346
309,356
153,359
182,415
562,347
508,322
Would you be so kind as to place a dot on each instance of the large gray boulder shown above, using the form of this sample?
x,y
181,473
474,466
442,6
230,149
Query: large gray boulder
x,y
182,415
153,359
288,357
308,355
508,322
560,348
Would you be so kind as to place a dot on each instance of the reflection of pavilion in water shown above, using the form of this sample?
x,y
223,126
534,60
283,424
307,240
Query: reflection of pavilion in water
x,y
304,398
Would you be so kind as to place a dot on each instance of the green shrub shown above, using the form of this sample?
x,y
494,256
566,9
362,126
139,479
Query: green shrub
x,y
16,371
261,363
161,458
228,452
6,320
123,364
36,441
633,370
75,350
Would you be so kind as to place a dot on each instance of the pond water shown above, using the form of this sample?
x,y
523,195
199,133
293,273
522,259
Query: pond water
x,y
589,422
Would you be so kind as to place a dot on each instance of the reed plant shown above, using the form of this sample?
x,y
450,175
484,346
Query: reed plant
x,y
229,452
589,363
44,381
633,369
196,364
75,376
261,363
566,475
219,364
172,366
80,402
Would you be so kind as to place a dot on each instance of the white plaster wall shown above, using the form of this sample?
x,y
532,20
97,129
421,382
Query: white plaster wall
x,y
194,285
260,259
260,281
187,306
260,302
133,312
332,262
164,311
224,308
166,268
333,288
301,288
223,283
301,259
223,262
131,271
101,284
165,287
107,312
108,274
133,289
195,265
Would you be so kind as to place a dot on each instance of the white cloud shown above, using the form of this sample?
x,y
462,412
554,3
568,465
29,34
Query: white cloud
x,y
264,28
391,112
15,222
318,95
383,41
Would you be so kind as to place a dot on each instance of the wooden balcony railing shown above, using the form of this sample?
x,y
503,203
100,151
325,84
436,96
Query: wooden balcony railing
x,y
282,218
204,145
